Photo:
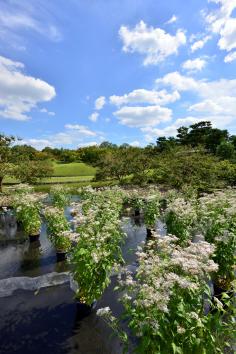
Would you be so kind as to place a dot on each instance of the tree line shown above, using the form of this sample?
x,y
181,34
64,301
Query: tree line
x,y
199,155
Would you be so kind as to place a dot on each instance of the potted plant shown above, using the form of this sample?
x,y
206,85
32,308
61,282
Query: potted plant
x,y
60,196
27,208
58,226
151,212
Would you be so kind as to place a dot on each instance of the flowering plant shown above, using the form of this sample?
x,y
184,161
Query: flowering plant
x,y
98,247
27,208
217,220
181,219
151,210
60,196
164,304
57,226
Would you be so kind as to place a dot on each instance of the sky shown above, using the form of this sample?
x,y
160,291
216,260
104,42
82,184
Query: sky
x,y
78,72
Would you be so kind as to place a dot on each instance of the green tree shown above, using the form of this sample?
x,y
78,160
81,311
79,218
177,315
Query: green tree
x,y
6,167
32,171
225,151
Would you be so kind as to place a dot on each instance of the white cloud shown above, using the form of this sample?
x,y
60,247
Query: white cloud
x,y
18,16
38,144
221,22
90,143
154,43
194,65
171,130
100,102
224,105
94,117
172,20
135,143
20,93
200,43
145,96
218,98
80,129
230,57
151,134
203,88
44,110
143,116
73,135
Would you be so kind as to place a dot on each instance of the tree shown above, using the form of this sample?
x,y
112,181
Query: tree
x,y
5,156
32,171
187,167
225,151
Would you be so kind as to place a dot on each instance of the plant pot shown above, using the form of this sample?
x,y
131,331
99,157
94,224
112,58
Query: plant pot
x,y
149,233
84,310
136,212
61,256
34,238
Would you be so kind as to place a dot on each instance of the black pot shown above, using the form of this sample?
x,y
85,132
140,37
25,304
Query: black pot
x,y
84,310
61,256
137,212
149,233
34,238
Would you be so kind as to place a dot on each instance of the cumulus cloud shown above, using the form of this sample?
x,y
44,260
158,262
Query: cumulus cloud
x,y
140,96
94,117
230,57
204,88
200,43
221,22
100,102
152,133
143,116
73,135
20,93
194,65
154,43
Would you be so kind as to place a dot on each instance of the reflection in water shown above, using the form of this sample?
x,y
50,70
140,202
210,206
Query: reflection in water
x,y
8,225
31,257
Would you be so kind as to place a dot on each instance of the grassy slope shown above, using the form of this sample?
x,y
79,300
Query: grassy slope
x,y
73,169
71,172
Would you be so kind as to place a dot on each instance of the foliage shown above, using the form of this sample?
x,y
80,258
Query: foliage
x,y
58,226
151,210
181,219
27,208
217,220
32,171
183,167
98,248
60,196
164,304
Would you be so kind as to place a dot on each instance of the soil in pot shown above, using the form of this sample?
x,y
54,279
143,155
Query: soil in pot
x,y
34,238
61,256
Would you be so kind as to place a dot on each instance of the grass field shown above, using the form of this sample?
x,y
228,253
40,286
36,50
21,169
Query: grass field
x,y
73,169
75,172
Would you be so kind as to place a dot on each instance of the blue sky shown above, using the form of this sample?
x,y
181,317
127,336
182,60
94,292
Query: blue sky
x,y
78,72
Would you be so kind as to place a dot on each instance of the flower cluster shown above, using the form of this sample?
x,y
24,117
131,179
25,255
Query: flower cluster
x,y
98,247
164,299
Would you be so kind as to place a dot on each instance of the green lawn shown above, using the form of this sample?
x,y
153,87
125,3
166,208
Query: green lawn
x,y
65,173
73,169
